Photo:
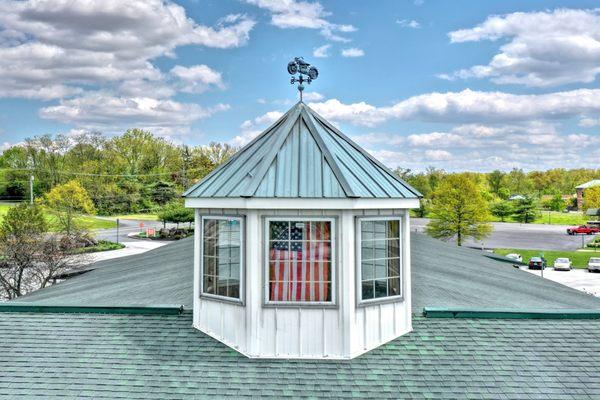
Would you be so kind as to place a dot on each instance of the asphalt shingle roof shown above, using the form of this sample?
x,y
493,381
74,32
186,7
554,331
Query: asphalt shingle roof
x,y
162,357
443,276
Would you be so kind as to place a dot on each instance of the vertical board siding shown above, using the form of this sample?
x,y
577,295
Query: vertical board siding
x,y
343,331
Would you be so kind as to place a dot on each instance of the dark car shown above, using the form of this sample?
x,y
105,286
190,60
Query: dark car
x,y
537,263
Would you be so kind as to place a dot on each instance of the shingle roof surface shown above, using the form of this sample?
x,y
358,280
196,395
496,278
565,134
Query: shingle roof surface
x,y
443,276
162,357
302,155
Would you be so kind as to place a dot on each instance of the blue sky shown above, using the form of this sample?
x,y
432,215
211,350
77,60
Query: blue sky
x,y
461,85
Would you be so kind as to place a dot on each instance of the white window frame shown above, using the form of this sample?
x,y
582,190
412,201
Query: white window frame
x,y
266,267
241,221
358,247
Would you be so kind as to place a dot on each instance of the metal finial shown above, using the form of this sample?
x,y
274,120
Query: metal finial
x,y
302,68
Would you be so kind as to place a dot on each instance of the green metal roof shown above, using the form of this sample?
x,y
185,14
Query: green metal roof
x,y
104,356
302,155
443,275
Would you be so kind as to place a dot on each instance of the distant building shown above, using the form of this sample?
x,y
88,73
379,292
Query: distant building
x,y
516,197
581,191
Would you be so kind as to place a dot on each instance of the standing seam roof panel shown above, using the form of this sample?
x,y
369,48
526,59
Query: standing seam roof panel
x,y
302,156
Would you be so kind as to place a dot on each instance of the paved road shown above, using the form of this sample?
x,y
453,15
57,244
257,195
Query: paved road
x,y
126,227
522,236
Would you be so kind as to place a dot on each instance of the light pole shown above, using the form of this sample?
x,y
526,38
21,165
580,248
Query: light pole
x,y
31,189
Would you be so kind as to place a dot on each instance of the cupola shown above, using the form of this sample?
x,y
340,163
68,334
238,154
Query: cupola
x,y
302,245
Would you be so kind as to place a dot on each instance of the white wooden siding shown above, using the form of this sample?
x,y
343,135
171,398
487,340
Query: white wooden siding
x,y
339,332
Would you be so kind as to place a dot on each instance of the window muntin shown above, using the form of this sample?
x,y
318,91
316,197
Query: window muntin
x,y
380,258
222,257
300,260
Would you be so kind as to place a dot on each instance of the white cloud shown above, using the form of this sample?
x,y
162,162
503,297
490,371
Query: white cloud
x,y
288,14
438,155
197,78
52,49
356,113
353,52
99,110
406,23
313,96
467,106
545,48
589,122
253,127
435,139
322,51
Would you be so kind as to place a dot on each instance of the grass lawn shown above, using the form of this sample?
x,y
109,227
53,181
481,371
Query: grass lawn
x,y
140,216
89,221
556,218
103,245
578,258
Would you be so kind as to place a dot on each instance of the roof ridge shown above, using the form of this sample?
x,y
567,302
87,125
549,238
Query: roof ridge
x,y
509,313
234,157
279,139
63,309
329,159
362,151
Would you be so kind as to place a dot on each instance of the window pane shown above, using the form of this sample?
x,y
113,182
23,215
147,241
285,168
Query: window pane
x,y
381,269
300,263
379,229
380,259
381,288
210,228
393,229
367,230
209,284
368,291
394,267
367,269
394,286
222,257
279,230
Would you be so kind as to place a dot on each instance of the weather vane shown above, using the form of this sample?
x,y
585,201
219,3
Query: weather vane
x,y
301,67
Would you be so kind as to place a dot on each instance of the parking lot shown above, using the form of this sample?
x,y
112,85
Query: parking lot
x,y
522,236
579,279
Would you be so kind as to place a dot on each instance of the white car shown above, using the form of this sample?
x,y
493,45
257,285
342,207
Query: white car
x,y
515,256
594,264
562,264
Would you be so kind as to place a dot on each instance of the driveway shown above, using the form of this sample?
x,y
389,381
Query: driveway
x,y
127,227
521,236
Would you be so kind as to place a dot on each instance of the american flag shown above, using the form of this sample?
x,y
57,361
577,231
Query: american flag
x,y
300,266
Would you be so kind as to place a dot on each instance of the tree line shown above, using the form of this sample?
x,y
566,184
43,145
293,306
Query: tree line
x,y
128,173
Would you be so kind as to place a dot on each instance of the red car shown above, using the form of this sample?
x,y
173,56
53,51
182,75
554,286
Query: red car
x,y
583,230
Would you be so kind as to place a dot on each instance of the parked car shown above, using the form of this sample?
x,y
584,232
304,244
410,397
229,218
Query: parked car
x,y
583,230
515,256
594,264
562,264
537,263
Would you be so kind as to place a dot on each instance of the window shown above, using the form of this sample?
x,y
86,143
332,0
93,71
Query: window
x,y
379,259
221,256
300,259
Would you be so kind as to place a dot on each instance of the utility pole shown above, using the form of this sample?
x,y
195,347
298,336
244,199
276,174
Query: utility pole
x,y
31,189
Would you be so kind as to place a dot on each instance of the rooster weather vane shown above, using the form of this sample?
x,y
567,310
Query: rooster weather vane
x,y
302,68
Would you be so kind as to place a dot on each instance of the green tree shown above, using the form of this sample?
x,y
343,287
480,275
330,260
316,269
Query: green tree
x,y
495,180
161,192
504,193
526,210
591,198
458,210
176,212
502,209
66,201
556,203
21,234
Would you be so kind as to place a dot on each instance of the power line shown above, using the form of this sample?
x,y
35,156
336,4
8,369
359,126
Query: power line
x,y
181,172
